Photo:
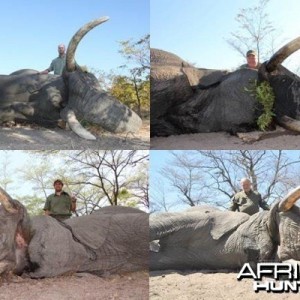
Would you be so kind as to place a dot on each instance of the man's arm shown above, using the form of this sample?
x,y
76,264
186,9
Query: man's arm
x,y
263,204
51,68
233,205
47,207
73,204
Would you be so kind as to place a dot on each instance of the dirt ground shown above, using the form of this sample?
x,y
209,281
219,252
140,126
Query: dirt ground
x,y
224,141
133,286
171,285
28,137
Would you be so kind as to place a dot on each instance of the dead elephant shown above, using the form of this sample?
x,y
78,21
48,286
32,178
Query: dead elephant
x,y
113,239
76,95
208,238
185,99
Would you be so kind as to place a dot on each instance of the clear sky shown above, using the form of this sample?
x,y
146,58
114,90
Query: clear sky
x,y
197,30
162,158
31,31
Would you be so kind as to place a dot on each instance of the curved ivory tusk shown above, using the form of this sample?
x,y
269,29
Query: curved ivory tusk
x,y
70,55
289,123
289,200
5,200
284,52
70,117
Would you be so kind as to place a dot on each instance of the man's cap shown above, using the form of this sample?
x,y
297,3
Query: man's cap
x,y
251,52
58,181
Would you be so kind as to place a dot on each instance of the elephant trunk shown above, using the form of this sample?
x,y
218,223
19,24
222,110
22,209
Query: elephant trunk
x,y
282,54
70,55
93,105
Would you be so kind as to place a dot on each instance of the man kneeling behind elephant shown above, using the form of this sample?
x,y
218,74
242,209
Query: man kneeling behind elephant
x,y
247,200
60,205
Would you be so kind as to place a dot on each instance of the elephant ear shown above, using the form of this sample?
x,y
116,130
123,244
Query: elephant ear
x,y
225,222
91,230
203,78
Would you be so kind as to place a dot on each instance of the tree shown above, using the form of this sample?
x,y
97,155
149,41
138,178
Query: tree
x,y
137,55
256,31
213,177
184,174
158,199
6,173
95,178
132,91
109,172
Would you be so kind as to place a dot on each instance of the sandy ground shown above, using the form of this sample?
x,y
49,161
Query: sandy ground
x,y
133,286
25,137
205,286
225,141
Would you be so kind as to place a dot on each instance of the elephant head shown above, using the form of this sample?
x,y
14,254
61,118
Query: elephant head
x,y
14,234
284,225
87,101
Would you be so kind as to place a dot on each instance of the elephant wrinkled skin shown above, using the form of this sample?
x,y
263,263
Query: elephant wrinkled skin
x,y
208,238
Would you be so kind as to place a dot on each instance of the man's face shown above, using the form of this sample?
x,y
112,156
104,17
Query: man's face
x,y
252,61
246,185
58,187
61,49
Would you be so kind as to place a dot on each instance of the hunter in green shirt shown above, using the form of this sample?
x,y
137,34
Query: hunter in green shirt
x,y
57,65
247,201
60,205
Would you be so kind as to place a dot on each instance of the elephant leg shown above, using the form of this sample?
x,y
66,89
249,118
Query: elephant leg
x,y
7,114
168,259
16,110
26,111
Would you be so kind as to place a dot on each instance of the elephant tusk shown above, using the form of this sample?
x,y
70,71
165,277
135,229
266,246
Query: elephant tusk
x,y
5,200
289,200
75,125
284,52
289,123
70,55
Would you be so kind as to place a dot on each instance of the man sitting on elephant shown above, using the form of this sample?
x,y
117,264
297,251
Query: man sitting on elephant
x,y
247,200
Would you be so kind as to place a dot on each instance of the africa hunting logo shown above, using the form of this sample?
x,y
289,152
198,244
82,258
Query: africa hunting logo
x,y
285,277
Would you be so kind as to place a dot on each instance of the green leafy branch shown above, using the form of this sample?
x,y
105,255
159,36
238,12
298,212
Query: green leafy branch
x,y
265,96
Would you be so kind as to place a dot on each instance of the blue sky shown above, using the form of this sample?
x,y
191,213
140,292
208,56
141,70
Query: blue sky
x,y
32,29
197,30
162,158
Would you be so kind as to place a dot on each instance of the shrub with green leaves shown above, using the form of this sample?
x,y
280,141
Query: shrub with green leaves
x,y
265,96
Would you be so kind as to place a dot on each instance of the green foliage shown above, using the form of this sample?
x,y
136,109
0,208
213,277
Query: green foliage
x,y
138,53
133,93
34,204
265,96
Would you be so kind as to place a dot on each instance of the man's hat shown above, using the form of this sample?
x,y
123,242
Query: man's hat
x,y
251,52
58,181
